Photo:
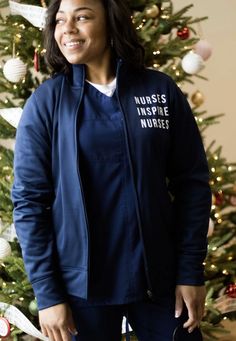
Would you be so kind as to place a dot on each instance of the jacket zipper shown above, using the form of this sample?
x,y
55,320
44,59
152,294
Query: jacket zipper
x,y
81,185
125,125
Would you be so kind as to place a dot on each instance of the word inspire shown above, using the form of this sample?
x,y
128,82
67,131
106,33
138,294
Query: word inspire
x,y
152,111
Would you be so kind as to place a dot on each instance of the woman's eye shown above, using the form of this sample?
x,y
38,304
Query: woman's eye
x,y
59,21
82,18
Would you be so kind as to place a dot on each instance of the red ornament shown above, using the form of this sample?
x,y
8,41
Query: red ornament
x,y
5,328
183,33
36,60
219,198
231,290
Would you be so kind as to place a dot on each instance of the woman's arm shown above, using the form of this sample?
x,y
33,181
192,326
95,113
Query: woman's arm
x,y
32,196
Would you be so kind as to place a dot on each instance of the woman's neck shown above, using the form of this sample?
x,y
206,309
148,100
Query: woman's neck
x,y
102,73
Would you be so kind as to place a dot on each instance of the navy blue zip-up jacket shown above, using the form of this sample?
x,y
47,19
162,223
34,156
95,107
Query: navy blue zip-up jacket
x,y
169,174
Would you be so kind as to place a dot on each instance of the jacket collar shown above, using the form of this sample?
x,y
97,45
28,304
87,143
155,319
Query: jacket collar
x,y
77,74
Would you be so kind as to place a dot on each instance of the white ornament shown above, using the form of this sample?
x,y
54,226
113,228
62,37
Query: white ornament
x,y
36,15
203,49
11,115
210,228
5,248
192,63
18,319
14,70
8,233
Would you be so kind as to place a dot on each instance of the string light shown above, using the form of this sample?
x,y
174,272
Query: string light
x,y
213,266
213,170
156,52
225,272
215,157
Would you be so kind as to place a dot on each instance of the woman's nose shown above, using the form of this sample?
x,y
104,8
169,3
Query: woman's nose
x,y
70,27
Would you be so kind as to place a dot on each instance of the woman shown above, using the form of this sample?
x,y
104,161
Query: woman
x,y
111,189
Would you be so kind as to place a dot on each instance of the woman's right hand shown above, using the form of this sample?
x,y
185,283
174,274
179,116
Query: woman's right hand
x,y
57,322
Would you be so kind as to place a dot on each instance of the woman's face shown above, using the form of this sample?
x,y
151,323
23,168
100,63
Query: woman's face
x,y
81,32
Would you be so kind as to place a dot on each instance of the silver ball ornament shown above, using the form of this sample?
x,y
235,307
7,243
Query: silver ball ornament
x,y
192,63
14,70
203,49
5,248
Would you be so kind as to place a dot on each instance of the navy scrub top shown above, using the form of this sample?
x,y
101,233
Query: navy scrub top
x,y
116,259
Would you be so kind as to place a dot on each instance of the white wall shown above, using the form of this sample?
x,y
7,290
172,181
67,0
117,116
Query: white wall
x,y
220,90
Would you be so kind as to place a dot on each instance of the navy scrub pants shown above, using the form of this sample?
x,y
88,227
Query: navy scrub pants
x,y
151,321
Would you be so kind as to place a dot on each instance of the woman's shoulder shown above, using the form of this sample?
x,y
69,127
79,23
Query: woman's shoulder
x,y
158,75
50,85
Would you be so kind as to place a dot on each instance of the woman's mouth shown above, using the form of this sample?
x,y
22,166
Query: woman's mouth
x,y
71,44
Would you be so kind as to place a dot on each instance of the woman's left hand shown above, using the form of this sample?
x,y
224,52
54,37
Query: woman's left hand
x,y
194,299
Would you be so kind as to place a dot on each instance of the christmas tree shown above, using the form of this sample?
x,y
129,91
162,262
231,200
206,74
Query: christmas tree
x,y
172,45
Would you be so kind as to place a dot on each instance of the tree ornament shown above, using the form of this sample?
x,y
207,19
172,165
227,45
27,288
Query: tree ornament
x,y
192,63
213,199
231,290
5,329
164,26
5,248
36,60
204,49
33,307
43,3
14,70
197,98
152,11
183,33
11,115
211,227
219,198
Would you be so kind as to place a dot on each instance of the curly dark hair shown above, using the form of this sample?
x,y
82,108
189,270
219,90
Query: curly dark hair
x,y
125,42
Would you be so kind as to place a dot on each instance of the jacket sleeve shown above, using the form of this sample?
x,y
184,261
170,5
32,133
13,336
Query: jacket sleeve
x,y
188,177
32,196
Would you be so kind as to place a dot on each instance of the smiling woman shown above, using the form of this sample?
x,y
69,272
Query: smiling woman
x,y
81,34
96,30
111,190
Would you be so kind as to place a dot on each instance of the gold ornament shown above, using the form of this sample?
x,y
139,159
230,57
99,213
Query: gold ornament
x,y
152,11
43,3
197,98
213,199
